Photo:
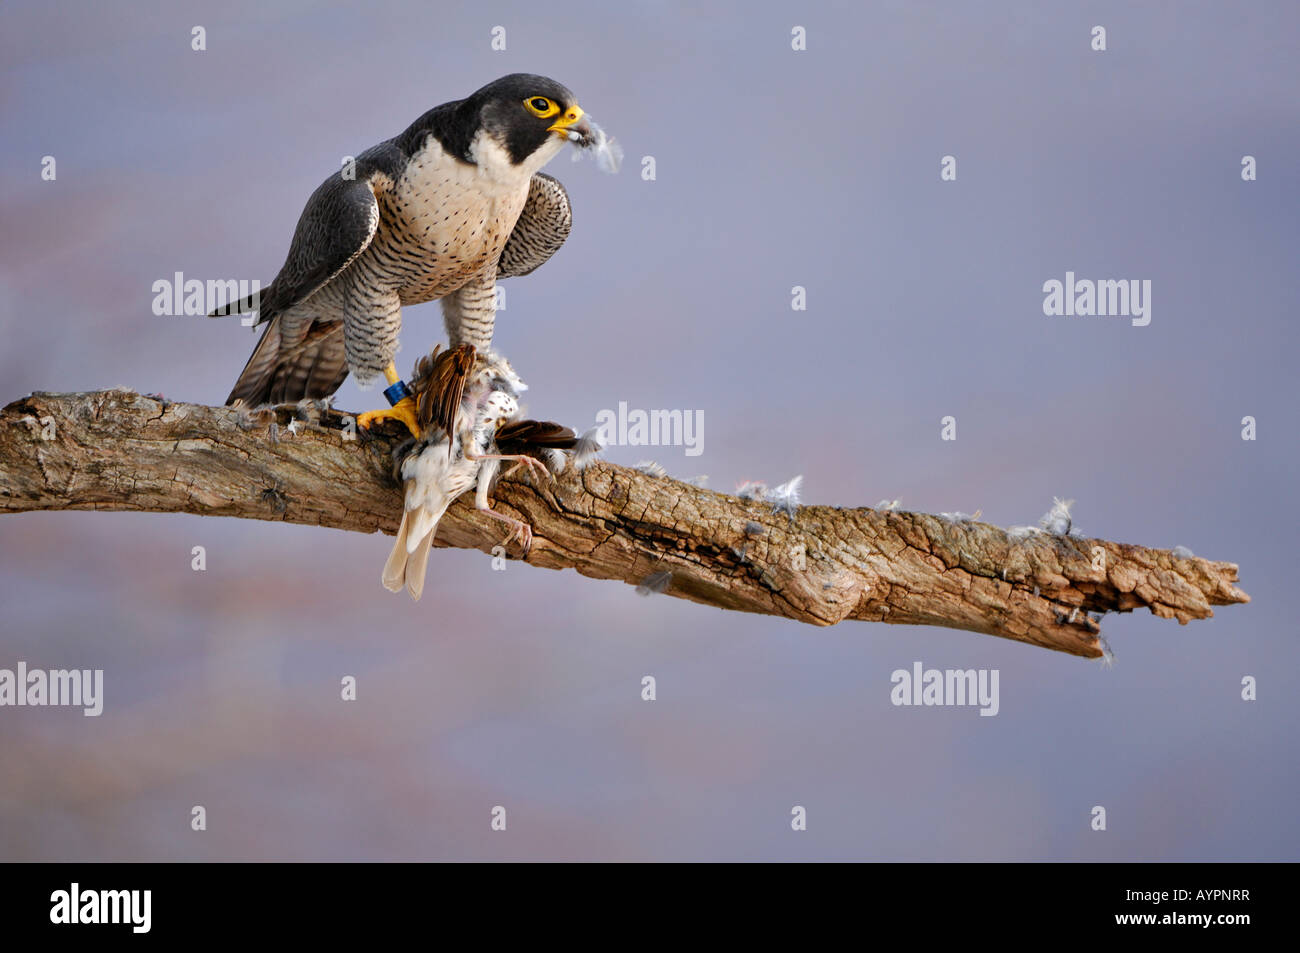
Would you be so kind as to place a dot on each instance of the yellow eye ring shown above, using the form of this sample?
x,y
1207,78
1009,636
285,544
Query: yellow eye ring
x,y
541,107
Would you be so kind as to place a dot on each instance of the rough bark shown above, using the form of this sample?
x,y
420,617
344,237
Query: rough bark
x,y
118,450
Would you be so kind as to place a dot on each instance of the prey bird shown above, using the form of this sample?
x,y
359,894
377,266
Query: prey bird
x,y
442,210
466,405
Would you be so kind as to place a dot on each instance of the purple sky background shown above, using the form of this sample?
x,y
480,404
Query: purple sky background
x,y
774,169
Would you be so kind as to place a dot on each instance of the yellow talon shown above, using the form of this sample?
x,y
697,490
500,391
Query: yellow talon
x,y
403,410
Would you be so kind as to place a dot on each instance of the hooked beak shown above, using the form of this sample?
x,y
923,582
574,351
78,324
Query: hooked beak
x,y
573,126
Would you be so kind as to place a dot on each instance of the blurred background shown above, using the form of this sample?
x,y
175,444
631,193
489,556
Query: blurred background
x,y
774,168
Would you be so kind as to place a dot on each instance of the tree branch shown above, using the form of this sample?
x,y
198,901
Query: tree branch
x,y
118,450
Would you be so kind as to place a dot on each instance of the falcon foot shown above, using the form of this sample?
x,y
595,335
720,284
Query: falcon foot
x,y
403,410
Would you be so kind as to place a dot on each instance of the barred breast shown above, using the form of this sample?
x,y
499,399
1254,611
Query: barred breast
x,y
444,222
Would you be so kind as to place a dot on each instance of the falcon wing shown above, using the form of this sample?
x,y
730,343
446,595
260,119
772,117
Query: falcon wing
x,y
542,227
336,225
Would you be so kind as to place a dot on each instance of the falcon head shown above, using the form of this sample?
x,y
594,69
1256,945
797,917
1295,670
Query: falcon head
x,y
530,117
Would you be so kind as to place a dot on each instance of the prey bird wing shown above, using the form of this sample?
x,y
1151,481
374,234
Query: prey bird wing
x,y
518,436
440,389
550,441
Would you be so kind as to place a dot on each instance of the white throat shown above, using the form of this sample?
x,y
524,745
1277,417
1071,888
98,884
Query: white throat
x,y
493,160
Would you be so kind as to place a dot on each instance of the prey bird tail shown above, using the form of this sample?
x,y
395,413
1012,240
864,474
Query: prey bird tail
x,y
408,562
395,569
417,566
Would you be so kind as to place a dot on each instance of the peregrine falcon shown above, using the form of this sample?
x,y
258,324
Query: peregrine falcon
x,y
466,402
441,211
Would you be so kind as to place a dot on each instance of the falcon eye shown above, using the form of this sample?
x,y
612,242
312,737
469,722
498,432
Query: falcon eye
x,y
541,107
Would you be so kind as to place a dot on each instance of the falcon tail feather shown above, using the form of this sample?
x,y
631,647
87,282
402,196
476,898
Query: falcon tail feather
x,y
253,386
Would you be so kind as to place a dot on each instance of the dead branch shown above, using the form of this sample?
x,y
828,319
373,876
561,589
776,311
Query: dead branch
x,y
119,450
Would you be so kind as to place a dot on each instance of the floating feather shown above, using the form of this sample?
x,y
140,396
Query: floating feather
x,y
785,498
1057,520
608,153
555,459
1107,656
587,448
654,584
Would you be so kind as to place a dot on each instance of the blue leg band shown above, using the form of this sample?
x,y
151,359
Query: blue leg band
x,y
396,393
